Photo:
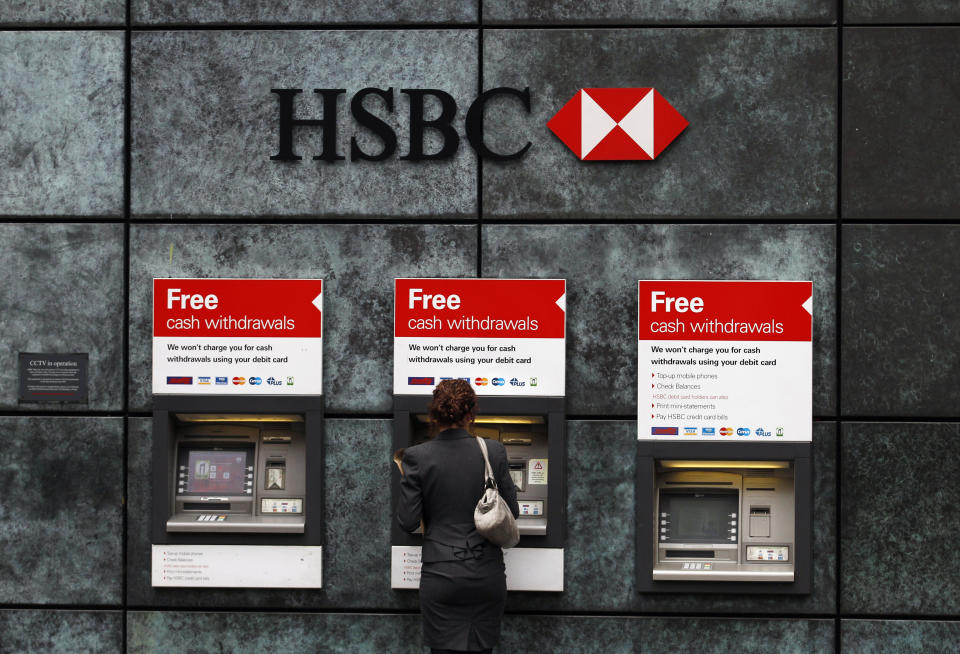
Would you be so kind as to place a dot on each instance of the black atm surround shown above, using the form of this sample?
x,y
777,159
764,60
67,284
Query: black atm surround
x,y
164,408
801,456
406,407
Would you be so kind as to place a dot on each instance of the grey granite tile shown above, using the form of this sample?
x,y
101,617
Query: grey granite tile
x,y
357,262
726,12
897,11
761,105
899,342
602,289
61,123
899,637
30,631
61,522
299,633
302,12
205,123
62,12
900,507
901,130
629,635
65,295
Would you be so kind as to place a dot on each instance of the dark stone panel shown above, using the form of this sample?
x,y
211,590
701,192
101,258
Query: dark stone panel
x,y
901,129
602,289
574,12
61,632
761,105
296,633
899,341
62,12
900,506
61,516
356,557
65,294
899,637
623,635
239,12
61,123
205,124
897,11
358,264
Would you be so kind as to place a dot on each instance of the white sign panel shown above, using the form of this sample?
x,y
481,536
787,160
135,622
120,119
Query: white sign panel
x,y
237,336
236,566
528,568
725,361
505,336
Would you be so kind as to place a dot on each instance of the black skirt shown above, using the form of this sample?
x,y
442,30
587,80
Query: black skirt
x,y
462,602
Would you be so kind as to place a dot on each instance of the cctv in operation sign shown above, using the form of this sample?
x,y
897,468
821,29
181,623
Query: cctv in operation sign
x,y
725,361
505,336
237,336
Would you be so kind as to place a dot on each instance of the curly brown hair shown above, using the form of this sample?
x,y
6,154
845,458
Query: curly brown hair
x,y
454,402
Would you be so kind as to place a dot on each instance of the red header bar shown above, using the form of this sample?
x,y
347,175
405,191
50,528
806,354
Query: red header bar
x,y
237,307
481,308
725,311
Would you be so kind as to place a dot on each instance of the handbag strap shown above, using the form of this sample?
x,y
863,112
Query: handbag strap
x,y
488,471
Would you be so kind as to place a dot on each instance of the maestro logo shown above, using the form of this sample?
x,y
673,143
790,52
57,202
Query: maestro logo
x,y
598,124
617,124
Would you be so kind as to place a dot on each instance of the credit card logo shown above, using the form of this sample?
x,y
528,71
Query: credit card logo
x,y
420,381
726,431
480,381
255,381
498,381
180,381
664,431
239,381
222,381
689,431
709,431
203,380
743,431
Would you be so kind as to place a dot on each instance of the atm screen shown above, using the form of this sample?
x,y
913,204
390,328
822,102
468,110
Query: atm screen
x,y
698,517
216,471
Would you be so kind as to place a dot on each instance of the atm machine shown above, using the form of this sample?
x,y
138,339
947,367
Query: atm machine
x,y
522,407
724,517
724,443
237,461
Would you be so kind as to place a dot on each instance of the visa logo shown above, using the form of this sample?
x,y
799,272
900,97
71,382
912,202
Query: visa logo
x,y
689,431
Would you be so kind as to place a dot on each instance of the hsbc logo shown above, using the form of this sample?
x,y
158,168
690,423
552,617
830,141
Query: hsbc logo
x,y
597,124
617,124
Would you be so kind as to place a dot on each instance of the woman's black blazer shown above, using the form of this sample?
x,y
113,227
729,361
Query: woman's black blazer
x,y
442,483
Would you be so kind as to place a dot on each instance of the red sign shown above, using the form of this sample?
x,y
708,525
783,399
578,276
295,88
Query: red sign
x,y
468,308
617,124
725,311
237,307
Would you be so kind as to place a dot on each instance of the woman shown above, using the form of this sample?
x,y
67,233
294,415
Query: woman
x,y
463,587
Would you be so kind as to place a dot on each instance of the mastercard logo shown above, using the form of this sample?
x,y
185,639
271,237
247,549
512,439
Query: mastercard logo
x,y
726,431
238,381
480,381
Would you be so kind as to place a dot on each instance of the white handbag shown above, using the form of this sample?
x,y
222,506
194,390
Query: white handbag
x,y
493,518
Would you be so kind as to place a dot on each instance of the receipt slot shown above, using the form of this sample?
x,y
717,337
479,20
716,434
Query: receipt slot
x,y
532,430
237,458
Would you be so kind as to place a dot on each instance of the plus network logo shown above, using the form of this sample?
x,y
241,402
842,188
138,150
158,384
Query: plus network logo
x,y
617,124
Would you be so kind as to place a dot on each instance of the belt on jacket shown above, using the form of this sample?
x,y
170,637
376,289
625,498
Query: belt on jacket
x,y
435,551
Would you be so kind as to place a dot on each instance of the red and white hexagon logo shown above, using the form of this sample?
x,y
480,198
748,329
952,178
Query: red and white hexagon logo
x,y
617,124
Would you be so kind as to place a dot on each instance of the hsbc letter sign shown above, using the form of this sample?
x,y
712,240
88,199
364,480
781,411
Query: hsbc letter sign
x,y
598,124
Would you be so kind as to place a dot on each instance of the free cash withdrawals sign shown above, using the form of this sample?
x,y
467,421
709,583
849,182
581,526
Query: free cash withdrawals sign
x,y
506,336
237,336
725,360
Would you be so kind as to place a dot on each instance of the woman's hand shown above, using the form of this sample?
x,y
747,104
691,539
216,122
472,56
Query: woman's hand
x,y
398,459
